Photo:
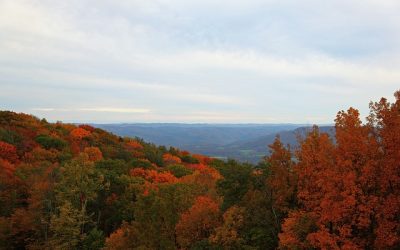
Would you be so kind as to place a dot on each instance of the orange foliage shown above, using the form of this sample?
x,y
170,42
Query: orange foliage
x,y
87,127
79,133
121,239
134,145
352,189
296,229
154,176
206,170
198,222
203,175
386,116
6,169
202,159
39,154
228,234
281,179
93,153
171,159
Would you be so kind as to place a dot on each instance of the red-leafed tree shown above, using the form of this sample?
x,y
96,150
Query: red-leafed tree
x,y
8,152
198,222
385,118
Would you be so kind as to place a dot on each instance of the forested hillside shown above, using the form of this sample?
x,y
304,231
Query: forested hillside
x,y
77,187
242,142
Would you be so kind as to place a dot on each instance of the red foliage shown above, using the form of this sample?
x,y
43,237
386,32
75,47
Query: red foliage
x,y
198,222
111,199
6,169
8,152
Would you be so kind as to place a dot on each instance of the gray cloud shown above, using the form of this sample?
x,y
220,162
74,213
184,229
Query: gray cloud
x,y
236,61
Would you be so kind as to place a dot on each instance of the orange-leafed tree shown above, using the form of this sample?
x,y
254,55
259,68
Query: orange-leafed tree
x,y
171,159
316,161
297,228
198,222
228,234
79,133
154,176
281,178
385,117
349,206
87,127
134,145
94,153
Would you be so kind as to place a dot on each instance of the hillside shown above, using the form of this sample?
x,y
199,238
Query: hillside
x,y
242,142
64,186
215,140
71,186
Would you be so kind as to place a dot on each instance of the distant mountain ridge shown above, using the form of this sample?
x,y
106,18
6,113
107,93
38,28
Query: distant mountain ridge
x,y
243,142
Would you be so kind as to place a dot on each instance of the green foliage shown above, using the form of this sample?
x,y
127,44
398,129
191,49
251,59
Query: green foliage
x,y
10,136
49,142
94,240
79,182
157,213
236,182
66,227
179,170
189,159
140,163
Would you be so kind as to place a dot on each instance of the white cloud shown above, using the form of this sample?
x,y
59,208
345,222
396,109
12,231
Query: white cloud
x,y
116,110
173,56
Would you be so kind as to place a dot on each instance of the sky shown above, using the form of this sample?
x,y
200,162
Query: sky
x,y
197,61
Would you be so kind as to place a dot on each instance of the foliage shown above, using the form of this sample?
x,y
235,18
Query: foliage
x,y
64,186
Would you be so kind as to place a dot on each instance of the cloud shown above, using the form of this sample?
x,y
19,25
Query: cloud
x,y
44,109
284,59
115,110
98,109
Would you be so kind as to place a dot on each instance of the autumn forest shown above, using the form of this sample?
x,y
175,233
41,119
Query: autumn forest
x,y
65,186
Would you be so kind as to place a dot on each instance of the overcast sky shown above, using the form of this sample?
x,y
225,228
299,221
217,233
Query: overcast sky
x,y
216,61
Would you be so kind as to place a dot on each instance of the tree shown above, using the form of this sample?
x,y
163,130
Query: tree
x,y
281,178
8,152
385,118
93,153
66,227
157,213
171,159
77,187
316,179
198,222
229,233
